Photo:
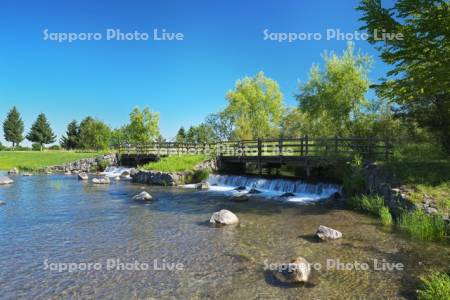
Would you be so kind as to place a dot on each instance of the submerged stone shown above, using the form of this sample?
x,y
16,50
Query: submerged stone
x,y
5,180
297,271
326,233
104,180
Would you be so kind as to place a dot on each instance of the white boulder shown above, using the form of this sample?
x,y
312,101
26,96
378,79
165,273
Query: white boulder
x,y
224,217
83,176
326,233
5,180
103,180
142,196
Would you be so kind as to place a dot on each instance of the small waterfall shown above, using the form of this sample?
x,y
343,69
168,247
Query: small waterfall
x,y
302,191
115,171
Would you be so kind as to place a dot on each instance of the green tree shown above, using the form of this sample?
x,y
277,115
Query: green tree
x,y
143,127
13,127
191,135
335,96
94,134
41,133
181,135
256,107
419,81
72,138
221,126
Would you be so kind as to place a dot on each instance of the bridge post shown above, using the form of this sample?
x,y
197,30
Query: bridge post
x,y
259,156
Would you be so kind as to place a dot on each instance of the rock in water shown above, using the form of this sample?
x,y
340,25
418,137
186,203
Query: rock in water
x,y
240,188
104,180
13,171
254,191
224,217
27,174
125,175
326,233
5,180
202,186
83,176
143,196
2,203
297,271
241,197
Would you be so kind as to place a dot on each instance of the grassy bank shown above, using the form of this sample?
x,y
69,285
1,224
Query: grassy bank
x,y
175,163
425,170
36,160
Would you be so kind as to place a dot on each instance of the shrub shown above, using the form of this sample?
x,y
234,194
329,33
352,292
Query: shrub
x,y
435,286
54,147
200,175
102,165
354,182
423,226
370,204
385,216
36,147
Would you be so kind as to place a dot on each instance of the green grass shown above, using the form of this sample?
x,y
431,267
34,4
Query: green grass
x,y
36,160
370,204
435,286
182,163
425,169
385,216
423,226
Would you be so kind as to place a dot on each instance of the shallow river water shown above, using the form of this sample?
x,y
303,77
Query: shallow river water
x,y
49,222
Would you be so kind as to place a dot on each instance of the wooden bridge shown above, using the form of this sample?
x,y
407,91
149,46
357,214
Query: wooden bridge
x,y
268,153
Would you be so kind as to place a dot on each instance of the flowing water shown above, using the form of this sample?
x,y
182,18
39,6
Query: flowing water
x,y
50,221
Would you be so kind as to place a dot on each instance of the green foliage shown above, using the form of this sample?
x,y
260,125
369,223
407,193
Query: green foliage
x,y
200,175
385,216
94,134
36,147
370,204
181,135
333,97
221,125
102,165
72,138
176,163
199,134
423,226
435,286
418,81
54,148
143,127
256,107
38,160
354,182
13,127
41,132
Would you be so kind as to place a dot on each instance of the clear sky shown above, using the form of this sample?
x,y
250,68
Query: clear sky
x,y
183,80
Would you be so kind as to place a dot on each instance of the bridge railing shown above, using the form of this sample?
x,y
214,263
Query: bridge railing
x,y
335,147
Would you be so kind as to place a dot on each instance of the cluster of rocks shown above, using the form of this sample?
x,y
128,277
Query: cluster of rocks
x,y
159,178
85,164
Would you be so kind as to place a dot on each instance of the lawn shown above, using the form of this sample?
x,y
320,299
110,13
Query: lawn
x,y
36,160
176,163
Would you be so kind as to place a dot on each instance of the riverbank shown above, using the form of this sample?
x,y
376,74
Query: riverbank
x,y
39,160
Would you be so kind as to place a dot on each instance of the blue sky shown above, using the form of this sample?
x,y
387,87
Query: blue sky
x,y
183,80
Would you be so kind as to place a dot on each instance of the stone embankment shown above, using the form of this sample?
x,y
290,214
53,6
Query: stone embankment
x,y
92,164
171,178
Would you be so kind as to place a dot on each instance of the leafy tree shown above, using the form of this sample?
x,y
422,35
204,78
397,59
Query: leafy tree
x,y
119,137
419,81
41,133
256,107
191,135
181,135
72,138
13,127
94,134
335,96
143,127
221,125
